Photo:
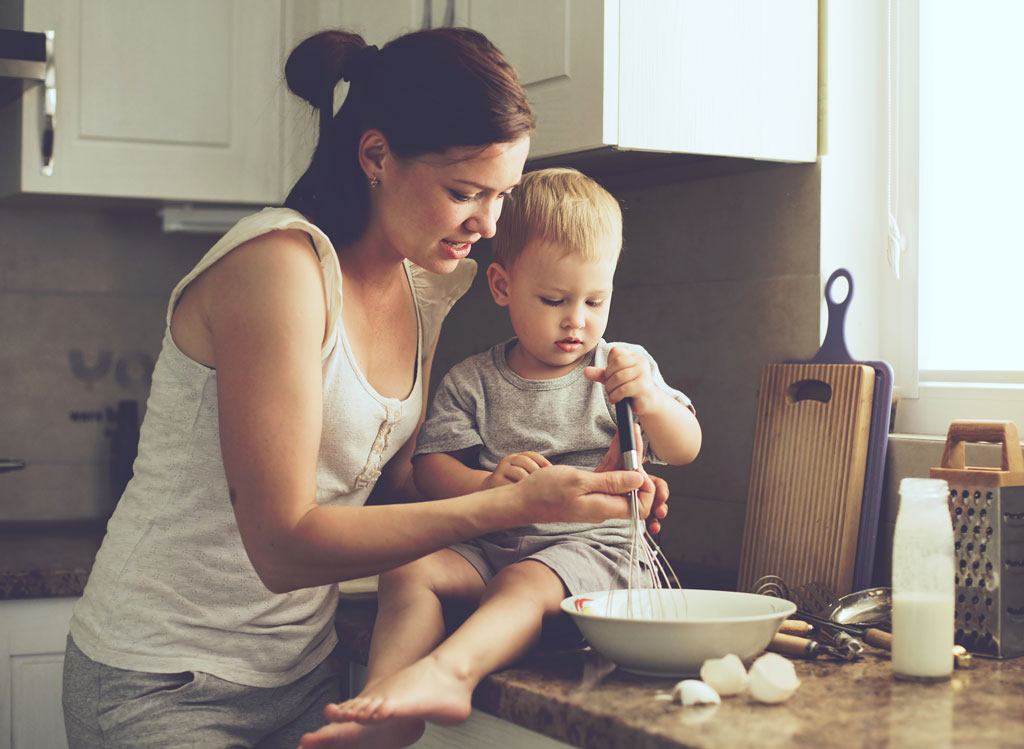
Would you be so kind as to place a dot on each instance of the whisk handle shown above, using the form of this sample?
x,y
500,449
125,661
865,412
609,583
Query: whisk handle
x,y
627,436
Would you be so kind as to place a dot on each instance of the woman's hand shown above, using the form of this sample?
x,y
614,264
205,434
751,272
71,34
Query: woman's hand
x,y
515,467
566,494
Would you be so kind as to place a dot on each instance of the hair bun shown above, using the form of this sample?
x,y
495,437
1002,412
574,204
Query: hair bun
x,y
317,63
360,64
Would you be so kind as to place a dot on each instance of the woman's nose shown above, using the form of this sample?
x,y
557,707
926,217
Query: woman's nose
x,y
484,220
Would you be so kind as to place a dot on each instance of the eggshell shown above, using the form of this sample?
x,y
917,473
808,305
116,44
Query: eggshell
x,y
772,679
726,675
695,692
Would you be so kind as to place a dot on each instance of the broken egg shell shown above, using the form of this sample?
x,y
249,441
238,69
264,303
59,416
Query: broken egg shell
x,y
772,679
726,675
695,692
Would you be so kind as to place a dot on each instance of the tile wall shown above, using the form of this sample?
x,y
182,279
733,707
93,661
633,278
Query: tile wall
x,y
82,298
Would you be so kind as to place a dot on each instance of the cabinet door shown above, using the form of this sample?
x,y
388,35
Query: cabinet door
x,y
719,77
566,62
33,635
172,100
713,77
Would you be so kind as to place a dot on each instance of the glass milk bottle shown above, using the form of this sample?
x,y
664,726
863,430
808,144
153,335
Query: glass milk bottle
x,y
923,587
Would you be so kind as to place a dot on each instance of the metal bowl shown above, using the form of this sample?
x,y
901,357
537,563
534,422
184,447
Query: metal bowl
x,y
671,632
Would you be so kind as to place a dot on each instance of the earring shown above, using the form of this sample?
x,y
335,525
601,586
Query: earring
x,y
374,181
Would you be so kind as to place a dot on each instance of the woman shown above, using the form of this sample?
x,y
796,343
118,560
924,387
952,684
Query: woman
x,y
291,382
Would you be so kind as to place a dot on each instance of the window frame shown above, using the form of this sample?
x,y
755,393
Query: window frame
x,y
927,400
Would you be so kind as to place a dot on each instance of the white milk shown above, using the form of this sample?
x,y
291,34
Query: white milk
x,y
922,635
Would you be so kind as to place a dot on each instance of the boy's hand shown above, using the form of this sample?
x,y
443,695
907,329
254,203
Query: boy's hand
x,y
628,375
515,467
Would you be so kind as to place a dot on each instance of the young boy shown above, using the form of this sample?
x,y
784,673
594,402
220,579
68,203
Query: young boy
x,y
498,416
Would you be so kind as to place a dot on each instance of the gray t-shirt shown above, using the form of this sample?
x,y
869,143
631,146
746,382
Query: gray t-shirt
x,y
482,403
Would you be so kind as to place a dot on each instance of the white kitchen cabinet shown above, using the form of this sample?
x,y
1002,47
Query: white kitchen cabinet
x,y
715,77
732,78
33,635
165,100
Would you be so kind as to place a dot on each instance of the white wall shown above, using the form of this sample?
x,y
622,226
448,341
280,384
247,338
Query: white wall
x,y
853,164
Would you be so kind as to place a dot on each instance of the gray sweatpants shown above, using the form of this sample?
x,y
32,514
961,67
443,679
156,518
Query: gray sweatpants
x,y
111,708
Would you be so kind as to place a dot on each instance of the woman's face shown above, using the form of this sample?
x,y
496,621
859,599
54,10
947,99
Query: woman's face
x,y
431,209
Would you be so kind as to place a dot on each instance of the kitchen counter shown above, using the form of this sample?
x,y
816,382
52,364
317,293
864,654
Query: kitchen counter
x,y
575,697
47,560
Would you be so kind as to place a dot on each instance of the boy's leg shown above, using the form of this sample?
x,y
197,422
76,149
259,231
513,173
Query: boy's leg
x,y
439,687
410,621
409,624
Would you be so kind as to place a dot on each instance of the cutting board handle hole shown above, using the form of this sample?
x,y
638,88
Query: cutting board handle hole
x,y
809,390
839,287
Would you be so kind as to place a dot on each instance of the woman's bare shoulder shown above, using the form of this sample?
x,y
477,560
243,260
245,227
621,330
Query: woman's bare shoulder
x,y
270,277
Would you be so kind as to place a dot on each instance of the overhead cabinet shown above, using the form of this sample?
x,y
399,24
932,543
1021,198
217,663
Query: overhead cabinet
x,y
185,100
169,100
717,77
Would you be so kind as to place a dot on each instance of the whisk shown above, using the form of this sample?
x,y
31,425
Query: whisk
x,y
647,567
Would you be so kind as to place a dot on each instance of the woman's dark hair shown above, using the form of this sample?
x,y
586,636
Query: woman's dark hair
x,y
427,91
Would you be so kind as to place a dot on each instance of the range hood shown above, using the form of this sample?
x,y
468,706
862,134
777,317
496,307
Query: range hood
x,y
26,60
23,56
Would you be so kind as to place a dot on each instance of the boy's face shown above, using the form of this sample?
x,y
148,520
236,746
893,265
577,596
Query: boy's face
x,y
558,305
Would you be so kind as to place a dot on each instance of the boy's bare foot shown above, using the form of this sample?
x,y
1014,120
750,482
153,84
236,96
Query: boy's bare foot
x,y
393,734
426,690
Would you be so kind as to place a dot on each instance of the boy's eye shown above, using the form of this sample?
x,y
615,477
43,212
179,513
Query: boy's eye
x,y
551,302
595,302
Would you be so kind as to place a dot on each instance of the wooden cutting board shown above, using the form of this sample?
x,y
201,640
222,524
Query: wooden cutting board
x,y
807,474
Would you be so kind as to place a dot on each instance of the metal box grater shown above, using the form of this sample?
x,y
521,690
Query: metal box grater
x,y
987,509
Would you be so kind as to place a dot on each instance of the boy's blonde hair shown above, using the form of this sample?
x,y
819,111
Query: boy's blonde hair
x,y
558,205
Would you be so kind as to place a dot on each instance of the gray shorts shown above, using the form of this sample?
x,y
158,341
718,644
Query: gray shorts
x,y
118,709
584,565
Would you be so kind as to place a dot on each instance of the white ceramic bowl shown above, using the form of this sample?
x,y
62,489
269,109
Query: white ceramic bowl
x,y
672,632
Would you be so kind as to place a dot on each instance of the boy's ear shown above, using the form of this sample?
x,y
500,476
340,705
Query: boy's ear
x,y
497,282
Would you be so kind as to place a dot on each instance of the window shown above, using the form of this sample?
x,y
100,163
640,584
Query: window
x,y
956,160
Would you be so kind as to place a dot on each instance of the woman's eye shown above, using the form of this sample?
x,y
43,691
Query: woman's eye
x,y
460,197
551,302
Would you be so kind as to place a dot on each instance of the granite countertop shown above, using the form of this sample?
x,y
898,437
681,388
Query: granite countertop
x,y
576,697
47,559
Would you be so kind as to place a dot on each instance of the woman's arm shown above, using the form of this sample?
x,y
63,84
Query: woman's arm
x,y
264,310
